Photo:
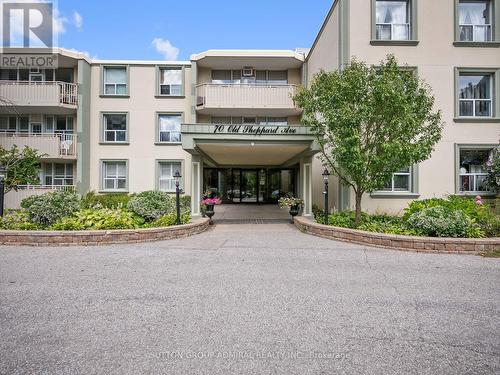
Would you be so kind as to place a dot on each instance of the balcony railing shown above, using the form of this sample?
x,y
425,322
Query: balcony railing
x,y
51,145
44,93
13,198
226,96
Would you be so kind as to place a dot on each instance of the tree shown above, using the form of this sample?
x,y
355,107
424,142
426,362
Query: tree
x,y
22,166
370,122
493,168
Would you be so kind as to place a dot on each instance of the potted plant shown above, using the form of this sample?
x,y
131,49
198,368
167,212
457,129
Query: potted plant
x,y
291,202
208,203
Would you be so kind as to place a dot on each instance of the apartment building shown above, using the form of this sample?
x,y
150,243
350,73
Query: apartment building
x,y
226,121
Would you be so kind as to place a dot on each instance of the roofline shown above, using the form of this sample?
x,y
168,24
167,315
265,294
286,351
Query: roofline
x,y
140,62
323,25
249,53
43,50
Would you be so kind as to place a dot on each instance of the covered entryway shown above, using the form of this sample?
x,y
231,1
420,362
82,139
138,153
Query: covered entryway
x,y
250,213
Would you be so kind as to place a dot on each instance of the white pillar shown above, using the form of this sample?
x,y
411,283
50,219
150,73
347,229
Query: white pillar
x,y
196,186
306,185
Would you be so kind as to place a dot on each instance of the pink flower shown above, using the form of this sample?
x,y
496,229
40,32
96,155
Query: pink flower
x,y
208,201
478,200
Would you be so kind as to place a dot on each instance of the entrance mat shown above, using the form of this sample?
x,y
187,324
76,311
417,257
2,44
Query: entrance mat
x,y
252,221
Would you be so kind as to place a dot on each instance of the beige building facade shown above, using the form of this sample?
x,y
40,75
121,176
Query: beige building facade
x,y
226,120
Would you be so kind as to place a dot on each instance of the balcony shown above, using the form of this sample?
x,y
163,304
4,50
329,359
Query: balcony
x,y
14,198
51,146
248,99
26,95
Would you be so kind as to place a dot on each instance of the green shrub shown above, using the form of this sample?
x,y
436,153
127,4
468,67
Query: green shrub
x,y
17,220
345,219
439,221
103,218
169,220
185,204
318,214
108,200
50,207
151,205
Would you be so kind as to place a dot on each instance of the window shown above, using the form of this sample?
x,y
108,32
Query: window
x,y
115,127
169,128
400,181
64,124
166,171
392,19
115,80
474,21
472,169
475,95
114,175
272,121
260,77
60,174
8,124
171,81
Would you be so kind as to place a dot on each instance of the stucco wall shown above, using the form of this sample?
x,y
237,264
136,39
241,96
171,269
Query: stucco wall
x,y
142,107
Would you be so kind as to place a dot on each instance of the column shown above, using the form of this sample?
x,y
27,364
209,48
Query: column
x,y
196,185
306,185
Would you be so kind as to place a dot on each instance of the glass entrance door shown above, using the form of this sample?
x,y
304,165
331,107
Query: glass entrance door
x,y
249,186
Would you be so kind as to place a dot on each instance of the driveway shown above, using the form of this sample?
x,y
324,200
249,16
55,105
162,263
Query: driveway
x,y
247,299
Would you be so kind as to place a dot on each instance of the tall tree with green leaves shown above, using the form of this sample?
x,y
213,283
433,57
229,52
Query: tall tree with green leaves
x,y
370,122
22,165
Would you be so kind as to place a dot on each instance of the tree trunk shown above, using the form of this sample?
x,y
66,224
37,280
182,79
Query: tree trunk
x,y
357,218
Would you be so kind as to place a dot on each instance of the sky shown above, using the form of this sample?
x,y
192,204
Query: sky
x,y
174,30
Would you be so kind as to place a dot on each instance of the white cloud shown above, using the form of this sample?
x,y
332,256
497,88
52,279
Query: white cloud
x,y
77,20
164,47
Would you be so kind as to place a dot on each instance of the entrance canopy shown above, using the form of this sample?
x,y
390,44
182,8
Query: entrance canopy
x,y
248,145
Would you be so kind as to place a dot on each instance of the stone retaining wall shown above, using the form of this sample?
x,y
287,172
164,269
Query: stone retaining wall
x,y
392,241
99,237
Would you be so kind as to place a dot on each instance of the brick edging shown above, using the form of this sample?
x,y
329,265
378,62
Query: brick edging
x,y
100,237
398,242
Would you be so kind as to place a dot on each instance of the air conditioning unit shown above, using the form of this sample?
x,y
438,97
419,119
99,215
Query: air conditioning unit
x,y
248,72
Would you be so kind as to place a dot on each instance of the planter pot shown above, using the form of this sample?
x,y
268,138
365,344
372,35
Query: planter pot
x,y
210,212
294,211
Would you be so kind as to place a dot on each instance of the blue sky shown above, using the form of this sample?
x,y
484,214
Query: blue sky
x,y
119,29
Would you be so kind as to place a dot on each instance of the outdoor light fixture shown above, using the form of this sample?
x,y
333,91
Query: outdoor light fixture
x,y
326,175
3,172
177,178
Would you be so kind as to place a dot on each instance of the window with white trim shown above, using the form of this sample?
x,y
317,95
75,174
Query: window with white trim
x,y
169,128
475,20
115,80
114,175
392,20
475,95
171,81
400,182
166,172
115,127
60,174
472,171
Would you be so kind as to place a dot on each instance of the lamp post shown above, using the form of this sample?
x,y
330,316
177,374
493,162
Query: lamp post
x,y
177,177
326,175
3,171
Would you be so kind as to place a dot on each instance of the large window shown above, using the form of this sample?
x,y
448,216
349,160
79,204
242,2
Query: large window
x,y
475,95
169,128
115,127
251,77
271,121
472,169
400,181
60,174
475,21
170,81
392,19
166,172
115,80
114,175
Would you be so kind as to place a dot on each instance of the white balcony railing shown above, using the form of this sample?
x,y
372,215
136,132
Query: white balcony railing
x,y
45,93
210,95
14,198
51,145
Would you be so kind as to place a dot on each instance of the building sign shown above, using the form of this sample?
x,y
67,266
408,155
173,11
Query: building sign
x,y
254,129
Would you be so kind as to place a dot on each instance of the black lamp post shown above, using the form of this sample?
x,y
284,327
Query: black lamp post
x,y
177,177
3,172
325,175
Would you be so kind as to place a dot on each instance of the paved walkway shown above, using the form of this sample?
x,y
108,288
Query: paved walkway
x,y
247,299
250,213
